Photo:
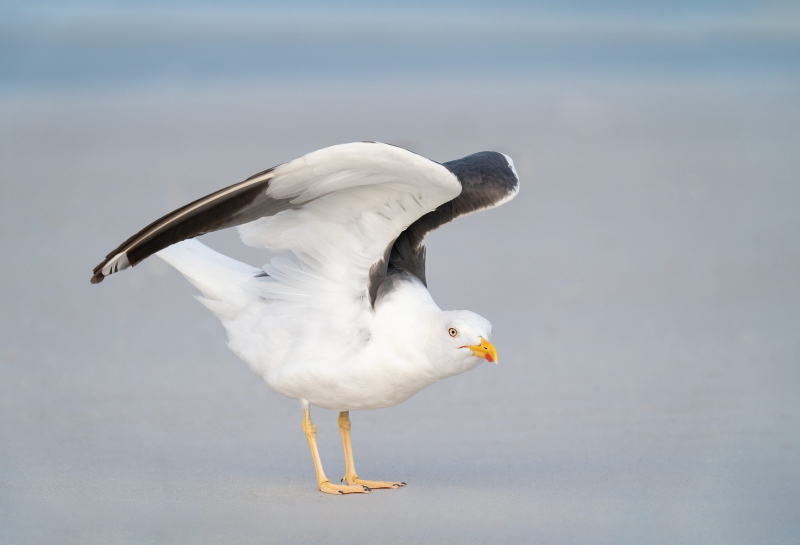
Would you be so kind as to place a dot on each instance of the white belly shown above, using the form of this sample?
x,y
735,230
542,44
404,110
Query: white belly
x,y
362,383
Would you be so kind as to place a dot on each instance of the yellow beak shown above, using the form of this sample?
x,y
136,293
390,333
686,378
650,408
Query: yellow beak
x,y
484,350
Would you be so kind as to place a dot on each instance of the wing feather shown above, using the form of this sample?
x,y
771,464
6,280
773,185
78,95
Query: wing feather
x,y
294,186
488,180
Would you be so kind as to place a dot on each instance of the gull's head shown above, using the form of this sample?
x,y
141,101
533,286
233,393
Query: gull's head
x,y
459,341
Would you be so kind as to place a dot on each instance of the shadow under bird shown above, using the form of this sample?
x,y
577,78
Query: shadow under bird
x,y
341,318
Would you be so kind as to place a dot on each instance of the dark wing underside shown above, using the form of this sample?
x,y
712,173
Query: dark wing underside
x,y
487,180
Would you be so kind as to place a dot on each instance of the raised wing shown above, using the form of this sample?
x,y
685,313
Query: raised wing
x,y
374,188
488,179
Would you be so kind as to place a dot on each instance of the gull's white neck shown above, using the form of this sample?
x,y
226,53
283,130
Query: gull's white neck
x,y
403,316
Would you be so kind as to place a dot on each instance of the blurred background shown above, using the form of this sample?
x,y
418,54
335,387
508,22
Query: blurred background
x,y
643,286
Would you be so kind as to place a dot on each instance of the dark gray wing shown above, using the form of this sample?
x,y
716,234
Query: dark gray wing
x,y
488,179
228,207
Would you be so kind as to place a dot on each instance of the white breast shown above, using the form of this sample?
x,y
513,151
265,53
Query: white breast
x,y
389,369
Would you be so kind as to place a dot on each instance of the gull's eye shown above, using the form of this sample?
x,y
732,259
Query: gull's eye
x,y
453,332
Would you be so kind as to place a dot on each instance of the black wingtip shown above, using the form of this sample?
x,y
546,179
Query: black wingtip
x,y
97,277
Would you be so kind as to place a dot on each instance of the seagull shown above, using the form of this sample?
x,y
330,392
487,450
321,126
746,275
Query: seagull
x,y
341,317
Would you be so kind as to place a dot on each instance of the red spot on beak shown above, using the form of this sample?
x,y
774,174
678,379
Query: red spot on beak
x,y
489,358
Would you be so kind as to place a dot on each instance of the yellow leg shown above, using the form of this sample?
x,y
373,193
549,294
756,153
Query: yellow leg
x,y
322,481
350,467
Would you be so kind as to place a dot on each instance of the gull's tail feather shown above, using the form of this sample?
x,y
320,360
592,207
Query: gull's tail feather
x,y
229,290
219,278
